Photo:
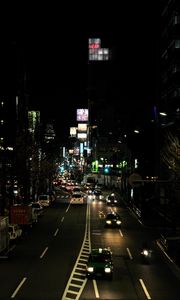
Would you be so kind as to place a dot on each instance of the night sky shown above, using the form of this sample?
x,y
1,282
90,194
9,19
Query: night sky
x,y
54,43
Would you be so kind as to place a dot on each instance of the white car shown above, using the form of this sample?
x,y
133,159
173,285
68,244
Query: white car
x,y
14,231
77,198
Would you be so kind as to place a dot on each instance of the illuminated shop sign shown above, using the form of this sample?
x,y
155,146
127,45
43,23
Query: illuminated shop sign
x,y
82,115
82,127
72,131
82,136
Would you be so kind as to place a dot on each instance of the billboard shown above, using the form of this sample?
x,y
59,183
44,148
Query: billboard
x,y
73,131
82,115
94,43
82,136
96,52
71,151
82,127
76,151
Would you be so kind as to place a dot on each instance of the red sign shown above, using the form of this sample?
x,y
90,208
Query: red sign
x,y
94,46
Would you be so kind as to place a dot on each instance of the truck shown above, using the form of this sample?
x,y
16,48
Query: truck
x,y
4,236
22,214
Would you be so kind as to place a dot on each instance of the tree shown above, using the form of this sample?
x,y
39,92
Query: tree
x,y
170,152
170,155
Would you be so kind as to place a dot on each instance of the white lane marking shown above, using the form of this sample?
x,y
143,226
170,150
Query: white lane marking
x,y
43,253
62,219
18,288
56,232
129,253
120,232
95,289
159,245
68,207
140,222
144,289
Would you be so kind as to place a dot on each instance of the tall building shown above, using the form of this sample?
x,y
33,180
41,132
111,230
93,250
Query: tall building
x,y
168,118
13,124
7,145
170,61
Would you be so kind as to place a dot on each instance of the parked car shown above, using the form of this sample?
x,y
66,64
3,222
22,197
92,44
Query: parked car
x,y
113,219
14,231
100,263
44,200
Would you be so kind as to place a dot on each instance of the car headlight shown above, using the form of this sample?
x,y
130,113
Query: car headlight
x,y
145,252
115,201
108,222
90,269
107,270
118,222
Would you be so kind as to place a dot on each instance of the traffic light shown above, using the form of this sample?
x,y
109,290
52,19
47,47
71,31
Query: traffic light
x,y
95,166
106,170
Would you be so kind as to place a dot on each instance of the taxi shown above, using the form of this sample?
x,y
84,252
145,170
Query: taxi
x,y
100,263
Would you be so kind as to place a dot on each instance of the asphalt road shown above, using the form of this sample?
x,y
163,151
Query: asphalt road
x,y
42,262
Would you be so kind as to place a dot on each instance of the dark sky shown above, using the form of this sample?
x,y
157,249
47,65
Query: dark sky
x,y
54,41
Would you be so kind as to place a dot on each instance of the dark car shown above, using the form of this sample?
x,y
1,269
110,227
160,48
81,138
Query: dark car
x,y
112,199
113,220
98,194
100,263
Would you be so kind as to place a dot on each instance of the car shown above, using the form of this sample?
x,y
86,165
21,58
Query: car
x,y
15,231
98,194
52,195
112,199
76,189
44,200
99,186
100,263
69,187
77,198
113,219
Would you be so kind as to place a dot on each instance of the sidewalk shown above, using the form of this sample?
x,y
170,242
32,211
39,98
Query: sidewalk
x,y
169,233
170,246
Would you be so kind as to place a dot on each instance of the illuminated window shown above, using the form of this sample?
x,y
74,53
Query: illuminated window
x,y
97,53
177,19
177,43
